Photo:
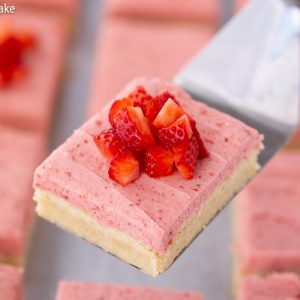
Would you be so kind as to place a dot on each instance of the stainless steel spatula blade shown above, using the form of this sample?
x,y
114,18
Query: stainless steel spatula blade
x,y
251,71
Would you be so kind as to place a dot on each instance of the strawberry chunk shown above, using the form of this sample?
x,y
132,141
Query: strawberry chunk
x,y
117,107
12,49
179,132
26,39
124,168
154,107
109,143
140,98
158,161
186,158
203,153
133,129
168,114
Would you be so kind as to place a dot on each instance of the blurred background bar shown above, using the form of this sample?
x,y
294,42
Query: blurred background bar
x,y
130,48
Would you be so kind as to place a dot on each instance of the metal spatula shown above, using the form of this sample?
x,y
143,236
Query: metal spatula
x,y
251,71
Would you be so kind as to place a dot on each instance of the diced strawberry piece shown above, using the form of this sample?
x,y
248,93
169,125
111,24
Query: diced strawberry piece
x,y
203,153
158,161
12,50
140,98
133,129
27,40
168,114
154,107
116,107
186,158
179,132
109,143
124,168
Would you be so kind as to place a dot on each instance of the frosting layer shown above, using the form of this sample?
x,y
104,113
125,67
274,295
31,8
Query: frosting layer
x,y
201,10
11,283
81,291
274,287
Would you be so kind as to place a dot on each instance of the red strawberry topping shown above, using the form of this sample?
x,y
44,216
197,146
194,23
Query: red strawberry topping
x,y
109,143
168,114
186,158
154,107
141,98
117,107
124,168
12,49
203,153
151,134
179,132
158,161
133,129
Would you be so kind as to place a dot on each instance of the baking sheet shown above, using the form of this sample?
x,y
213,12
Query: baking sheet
x,y
205,266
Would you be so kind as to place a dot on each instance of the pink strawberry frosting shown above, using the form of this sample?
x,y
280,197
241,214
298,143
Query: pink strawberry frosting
x,y
269,218
150,210
20,153
82,291
202,10
274,287
11,283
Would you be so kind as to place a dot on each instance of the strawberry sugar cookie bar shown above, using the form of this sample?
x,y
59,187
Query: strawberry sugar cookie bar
x,y
30,68
191,10
11,283
144,176
69,290
272,287
144,51
20,153
268,220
